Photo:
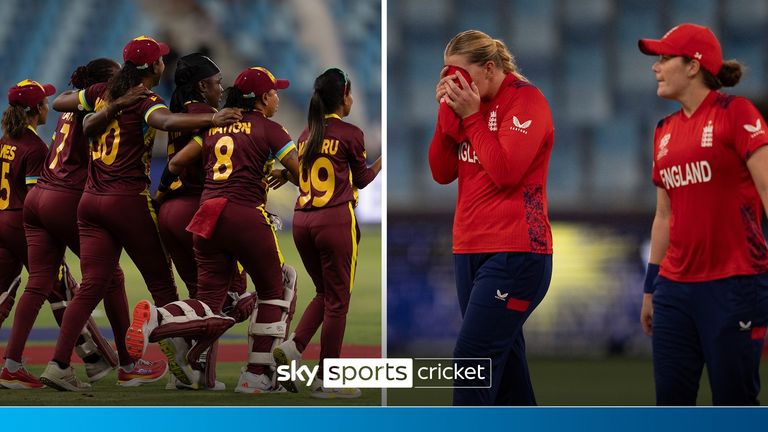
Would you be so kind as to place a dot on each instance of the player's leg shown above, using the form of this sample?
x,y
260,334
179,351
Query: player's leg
x,y
13,254
99,255
137,231
45,256
173,218
732,317
678,359
515,387
507,287
312,317
268,326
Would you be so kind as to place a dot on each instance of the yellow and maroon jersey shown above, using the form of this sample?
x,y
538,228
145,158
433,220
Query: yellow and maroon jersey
x,y
191,180
21,161
237,158
337,171
66,166
701,161
121,155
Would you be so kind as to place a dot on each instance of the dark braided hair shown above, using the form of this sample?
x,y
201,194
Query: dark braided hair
x,y
96,71
236,99
128,77
330,89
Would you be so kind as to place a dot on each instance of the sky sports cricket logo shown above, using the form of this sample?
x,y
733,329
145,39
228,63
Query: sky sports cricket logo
x,y
393,373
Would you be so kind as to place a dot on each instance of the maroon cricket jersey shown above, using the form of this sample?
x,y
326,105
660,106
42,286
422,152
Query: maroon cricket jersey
x,y
338,170
121,155
20,163
66,166
192,179
238,158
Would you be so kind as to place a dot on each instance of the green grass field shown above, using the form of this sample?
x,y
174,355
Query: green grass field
x,y
615,381
363,328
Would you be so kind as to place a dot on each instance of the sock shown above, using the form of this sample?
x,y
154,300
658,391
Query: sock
x,y
61,365
12,365
129,367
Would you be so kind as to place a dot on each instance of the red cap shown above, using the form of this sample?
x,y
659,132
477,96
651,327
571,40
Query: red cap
x,y
143,51
29,93
690,40
256,81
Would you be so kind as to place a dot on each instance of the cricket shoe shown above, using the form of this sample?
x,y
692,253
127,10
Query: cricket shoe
x,y
318,391
144,322
175,384
175,350
143,372
284,354
62,379
98,370
256,384
19,380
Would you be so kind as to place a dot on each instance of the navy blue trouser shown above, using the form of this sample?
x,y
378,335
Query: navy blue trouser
x,y
719,323
497,293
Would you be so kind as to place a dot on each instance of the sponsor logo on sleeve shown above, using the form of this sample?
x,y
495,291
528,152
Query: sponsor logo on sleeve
x,y
754,130
663,143
520,126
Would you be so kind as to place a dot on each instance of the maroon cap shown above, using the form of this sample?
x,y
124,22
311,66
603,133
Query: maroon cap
x,y
29,93
256,81
690,40
143,51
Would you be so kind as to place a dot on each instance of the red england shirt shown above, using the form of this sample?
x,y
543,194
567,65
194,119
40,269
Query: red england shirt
x,y
701,161
502,171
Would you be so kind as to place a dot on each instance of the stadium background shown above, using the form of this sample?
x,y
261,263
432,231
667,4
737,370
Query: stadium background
x,y
46,40
585,338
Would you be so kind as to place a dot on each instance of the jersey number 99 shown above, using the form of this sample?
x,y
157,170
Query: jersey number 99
x,y
309,186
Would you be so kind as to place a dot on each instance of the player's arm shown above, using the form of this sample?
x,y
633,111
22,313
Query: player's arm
x,y
659,245
164,119
362,174
190,154
67,101
443,158
95,123
508,155
758,168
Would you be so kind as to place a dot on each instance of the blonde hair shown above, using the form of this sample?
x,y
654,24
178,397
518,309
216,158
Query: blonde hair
x,y
479,48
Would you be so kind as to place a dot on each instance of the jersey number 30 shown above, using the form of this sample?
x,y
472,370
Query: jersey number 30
x,y
100,150
310,186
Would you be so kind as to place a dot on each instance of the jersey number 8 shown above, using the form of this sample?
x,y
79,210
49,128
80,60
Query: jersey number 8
x,y
223,149
314,183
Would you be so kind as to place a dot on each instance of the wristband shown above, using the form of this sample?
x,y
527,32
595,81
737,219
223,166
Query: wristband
x,y
166,180
650,277
284,174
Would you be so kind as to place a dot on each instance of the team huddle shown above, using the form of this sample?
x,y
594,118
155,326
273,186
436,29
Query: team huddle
x,y
90,193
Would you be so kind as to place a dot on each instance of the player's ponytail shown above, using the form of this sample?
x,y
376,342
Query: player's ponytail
x,y
96,71
15,119
128,77
330,89
235,99
729,75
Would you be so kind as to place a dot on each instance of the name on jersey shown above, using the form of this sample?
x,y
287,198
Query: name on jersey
x,y
329,146
234,128
466,153
8,152
684,175
68,116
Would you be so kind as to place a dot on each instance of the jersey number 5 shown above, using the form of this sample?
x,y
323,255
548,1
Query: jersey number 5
x,y
315,184
5,186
